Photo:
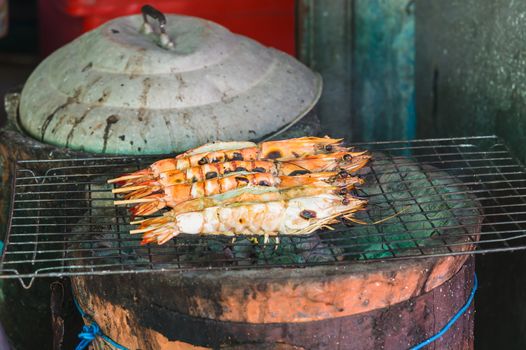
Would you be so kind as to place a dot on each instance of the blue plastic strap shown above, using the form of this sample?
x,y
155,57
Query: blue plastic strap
x,y
92,331
453,319
88,334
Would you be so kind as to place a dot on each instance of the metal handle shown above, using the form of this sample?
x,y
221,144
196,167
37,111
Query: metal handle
x,y
151,11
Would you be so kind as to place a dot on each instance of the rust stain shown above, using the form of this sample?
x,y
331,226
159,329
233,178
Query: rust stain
x,y
75,125
49,118
140,115
168,123
143,99
147,85
105,94
59,123
135,63
95,81
182,85
87,67
112,119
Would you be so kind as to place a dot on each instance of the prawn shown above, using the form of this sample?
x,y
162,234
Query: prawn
x,y
255,194
228,151
294,216
175,194
345,161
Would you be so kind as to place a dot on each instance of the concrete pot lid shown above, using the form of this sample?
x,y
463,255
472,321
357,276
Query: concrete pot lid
x,y
121,89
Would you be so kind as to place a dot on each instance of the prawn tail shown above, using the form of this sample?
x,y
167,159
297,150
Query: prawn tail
x,y
147,208
160,232
143,190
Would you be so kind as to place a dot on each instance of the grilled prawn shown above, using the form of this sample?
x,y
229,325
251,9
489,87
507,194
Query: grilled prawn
x,y
295,216
346,161
236,151
255,194
175,194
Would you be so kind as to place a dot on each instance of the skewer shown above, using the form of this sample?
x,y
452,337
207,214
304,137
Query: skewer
x,y
137,200
127,189
123,178
141,230
137,222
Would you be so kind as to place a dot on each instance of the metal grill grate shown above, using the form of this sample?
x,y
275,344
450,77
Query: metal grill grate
x,y
450,195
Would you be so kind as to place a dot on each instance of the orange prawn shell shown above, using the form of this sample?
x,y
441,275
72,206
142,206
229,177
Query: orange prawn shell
x,y
208,171
173,195
246,154
313,163
183,192
168,164
298,147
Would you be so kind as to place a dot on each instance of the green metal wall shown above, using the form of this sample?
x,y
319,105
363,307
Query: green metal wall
x,y
365,51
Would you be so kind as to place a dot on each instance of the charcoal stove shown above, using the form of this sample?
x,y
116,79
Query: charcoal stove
x,y
63,223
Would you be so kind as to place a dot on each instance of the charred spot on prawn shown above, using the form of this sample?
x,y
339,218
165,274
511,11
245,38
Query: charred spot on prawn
x,y
343,174
258,170
274,154
210,175
242,179
346,201
215,160
299,172
308,214
194,179
237,156
240,168
264,183
203,161
343,191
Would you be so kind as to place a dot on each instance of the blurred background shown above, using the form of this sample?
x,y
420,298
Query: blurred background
x,y
393,69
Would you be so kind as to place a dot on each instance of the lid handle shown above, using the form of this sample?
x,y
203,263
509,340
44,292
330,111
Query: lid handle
x,y
147,28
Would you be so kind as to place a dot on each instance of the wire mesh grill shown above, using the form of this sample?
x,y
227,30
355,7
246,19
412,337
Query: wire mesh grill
x,y
450,196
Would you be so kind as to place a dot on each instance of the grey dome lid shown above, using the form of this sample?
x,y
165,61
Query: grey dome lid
x,y
117,90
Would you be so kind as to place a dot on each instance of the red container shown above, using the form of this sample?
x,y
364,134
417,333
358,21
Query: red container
x,y
270,22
